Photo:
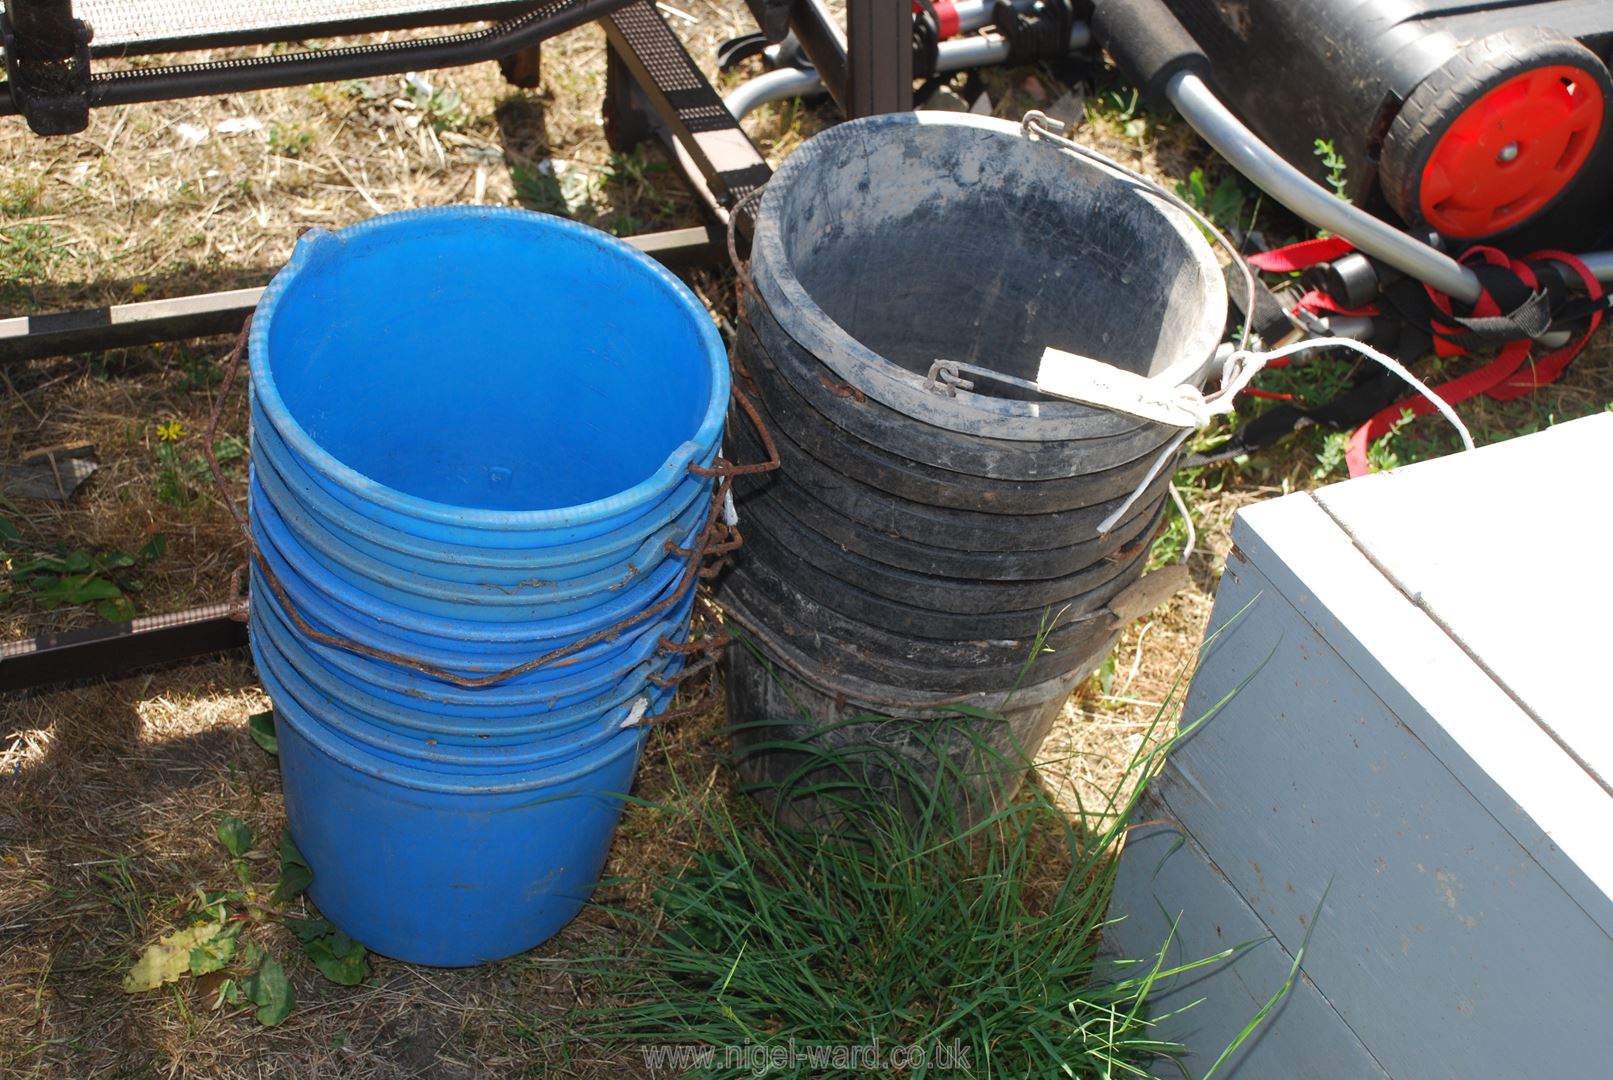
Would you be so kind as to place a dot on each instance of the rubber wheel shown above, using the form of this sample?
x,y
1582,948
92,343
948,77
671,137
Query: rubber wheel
x,y
1496,135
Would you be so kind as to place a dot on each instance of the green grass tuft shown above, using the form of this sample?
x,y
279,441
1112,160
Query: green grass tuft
x,y
979,945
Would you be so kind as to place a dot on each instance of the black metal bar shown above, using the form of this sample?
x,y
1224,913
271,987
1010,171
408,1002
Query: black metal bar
x,y
63,333
821,39
728,164
117,648
879,58
139,85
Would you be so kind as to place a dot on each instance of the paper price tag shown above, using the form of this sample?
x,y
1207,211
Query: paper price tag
x,y
1092,382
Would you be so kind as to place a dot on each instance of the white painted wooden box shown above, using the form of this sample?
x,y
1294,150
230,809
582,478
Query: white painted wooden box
x,y
1426,736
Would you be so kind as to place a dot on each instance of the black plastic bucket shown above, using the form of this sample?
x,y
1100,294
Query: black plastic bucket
x,y
889,242
817,749
904,617
910,471
831,644
919,541
975,529
762,341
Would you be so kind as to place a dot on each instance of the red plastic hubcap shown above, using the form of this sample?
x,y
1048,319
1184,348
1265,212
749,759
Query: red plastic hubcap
x,y
1511,151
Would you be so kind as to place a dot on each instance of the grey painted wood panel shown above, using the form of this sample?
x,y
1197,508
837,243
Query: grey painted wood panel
x,y
1493,545
1465,853
1207,1008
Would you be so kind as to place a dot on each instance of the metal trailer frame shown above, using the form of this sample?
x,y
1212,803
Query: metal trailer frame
x,y
654,89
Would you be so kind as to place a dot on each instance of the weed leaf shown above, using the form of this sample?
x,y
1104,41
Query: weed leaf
x,y
339,958
295,873
216,952
169,958
270,990
261,725
235,835
308,929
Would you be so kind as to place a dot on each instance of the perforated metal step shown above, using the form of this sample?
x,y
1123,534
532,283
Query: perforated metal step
x,y
686,102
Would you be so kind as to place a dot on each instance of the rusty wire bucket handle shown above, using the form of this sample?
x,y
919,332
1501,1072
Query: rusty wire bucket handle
x,y
717,537
742,266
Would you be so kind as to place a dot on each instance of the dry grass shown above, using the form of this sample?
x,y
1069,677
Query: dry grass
x,y
109,794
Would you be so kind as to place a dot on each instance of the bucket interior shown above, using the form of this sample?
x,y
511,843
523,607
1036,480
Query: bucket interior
x,y
494,361
928,241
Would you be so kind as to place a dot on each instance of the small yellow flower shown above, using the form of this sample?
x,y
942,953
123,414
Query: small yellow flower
x,y
172,431
139,289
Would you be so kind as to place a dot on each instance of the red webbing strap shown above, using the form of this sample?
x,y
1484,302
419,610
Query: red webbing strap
x,y
1511,375
1547,369
1504,378
1301,256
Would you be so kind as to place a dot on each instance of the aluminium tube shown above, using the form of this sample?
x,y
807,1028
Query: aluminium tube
x,y
956,54
1254,159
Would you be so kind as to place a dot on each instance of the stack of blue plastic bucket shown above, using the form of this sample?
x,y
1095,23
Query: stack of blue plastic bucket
x,y
472,440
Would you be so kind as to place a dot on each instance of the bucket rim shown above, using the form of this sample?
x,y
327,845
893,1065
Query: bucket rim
x,y
671,471
305,580
312,730
898,388
424,752
454,598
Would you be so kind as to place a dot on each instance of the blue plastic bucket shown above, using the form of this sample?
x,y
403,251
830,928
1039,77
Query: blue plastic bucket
x,y
466,761
469,648
439,869
592,377
530,599
441,705
472,439
472,724
502,566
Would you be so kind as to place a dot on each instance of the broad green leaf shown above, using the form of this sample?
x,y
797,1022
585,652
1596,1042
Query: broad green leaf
x,y
339,958
213,954
288,850
270,990
154,548
235,835
169,958
294,881
217,990
83,589
295,873
8,532
309,929
227,449
47,563
119,610
261,727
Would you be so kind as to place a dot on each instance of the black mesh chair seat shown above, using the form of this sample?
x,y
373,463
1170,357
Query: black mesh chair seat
x,y
130,27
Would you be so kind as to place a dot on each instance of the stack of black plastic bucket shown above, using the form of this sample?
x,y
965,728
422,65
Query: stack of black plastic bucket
x,y
934,513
